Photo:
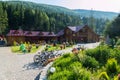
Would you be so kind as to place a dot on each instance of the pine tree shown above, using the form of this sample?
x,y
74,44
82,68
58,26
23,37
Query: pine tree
x,y
3,19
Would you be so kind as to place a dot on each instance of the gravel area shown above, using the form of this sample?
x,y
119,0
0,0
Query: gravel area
x,y
17,66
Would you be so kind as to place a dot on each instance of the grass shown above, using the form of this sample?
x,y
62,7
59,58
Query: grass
x,y
16,49
52,48
57,47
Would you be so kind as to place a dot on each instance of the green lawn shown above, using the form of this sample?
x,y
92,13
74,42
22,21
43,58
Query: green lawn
x,y
52,48
16,49
57,47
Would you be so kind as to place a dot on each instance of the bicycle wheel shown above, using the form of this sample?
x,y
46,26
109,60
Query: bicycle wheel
x,y
36,59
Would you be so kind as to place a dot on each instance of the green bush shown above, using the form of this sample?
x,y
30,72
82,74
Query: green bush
x,y
80,74
115,53
101,54
63,61
66,55
68,69
111,66
15,43
89,62
118,42
74,73
104,76
61,75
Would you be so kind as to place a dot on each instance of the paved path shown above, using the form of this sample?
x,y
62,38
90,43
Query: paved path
x,y
17,67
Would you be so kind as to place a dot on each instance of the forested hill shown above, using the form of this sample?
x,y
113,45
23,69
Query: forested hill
x,y
96,14
33,16
44,7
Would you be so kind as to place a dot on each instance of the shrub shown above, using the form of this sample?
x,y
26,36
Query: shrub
x,y
66,55
15,43
111,66
76,73
67,69
63,61
101,54
62,75
89,62
118,42
81,74
104,76
115,53
117,77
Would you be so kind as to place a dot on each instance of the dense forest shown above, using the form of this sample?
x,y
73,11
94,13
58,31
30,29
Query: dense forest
x,y
42,17
113,28
96,14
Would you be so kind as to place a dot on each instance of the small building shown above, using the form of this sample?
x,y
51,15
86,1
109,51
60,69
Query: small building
x,y
29,36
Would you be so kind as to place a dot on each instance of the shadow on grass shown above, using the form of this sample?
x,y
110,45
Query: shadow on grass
x,y
31,66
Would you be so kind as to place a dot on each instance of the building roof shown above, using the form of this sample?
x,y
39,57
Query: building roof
x,y
30,33
47,34
75,28
16,33
60,33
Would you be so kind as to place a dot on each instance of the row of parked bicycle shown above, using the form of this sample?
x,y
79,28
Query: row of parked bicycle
x,y
43,57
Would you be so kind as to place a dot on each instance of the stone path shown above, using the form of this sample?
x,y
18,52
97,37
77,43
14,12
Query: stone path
x,y
17,67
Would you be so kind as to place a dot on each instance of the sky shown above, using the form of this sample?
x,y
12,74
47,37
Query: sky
x,y
102,5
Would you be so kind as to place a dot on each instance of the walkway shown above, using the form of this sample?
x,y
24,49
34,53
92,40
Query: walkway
x,y
17,67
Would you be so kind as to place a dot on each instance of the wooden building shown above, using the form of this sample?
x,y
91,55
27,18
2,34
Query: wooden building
x,y
15,35
78,34
29,36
